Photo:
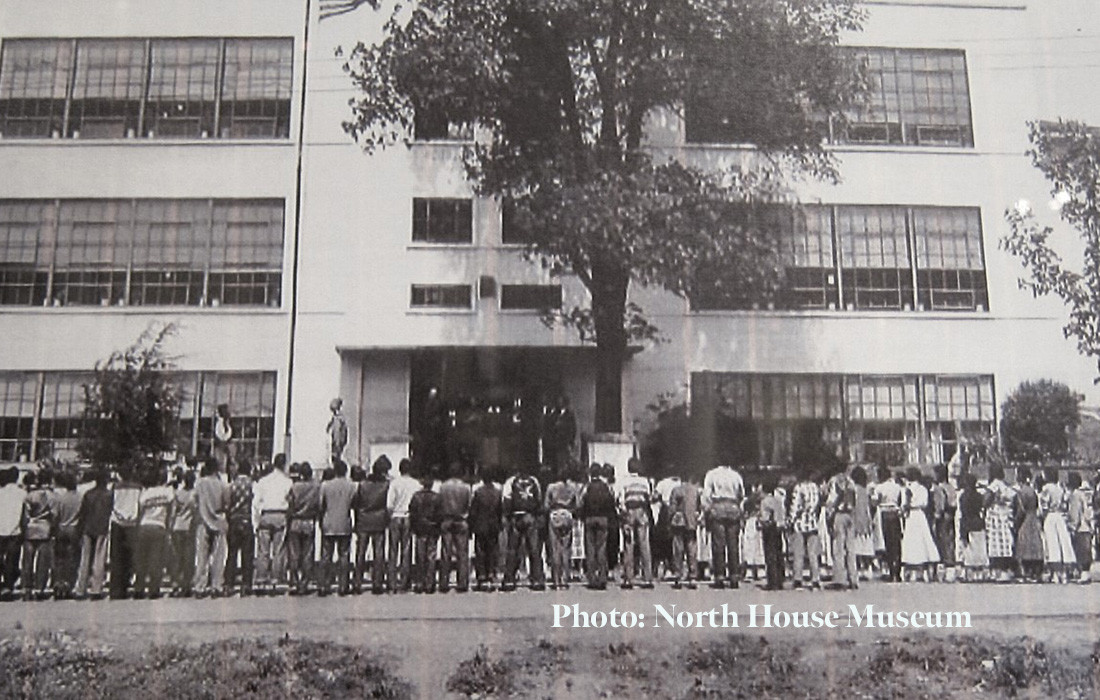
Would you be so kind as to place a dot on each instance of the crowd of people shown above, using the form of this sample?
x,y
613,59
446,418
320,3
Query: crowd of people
x,y
283,528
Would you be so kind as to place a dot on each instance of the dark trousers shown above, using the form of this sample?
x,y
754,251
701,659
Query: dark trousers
x,y
121,557
486,555
9,562
400,554
241,542
725,548
150,545
299,549
341,546
37,562
376,541
595,550
456,552
685,543
181,559
524,541
425,562
1082,547
66,561
773,554
891,537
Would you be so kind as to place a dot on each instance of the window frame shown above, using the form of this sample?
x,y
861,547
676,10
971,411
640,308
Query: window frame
x,y
441,305
461,217
522,288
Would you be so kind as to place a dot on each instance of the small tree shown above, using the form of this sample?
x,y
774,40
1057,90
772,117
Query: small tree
x,y
563,89
1038,420
131,407
1068,154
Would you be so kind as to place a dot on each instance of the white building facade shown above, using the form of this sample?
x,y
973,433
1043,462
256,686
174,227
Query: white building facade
x,y
157,167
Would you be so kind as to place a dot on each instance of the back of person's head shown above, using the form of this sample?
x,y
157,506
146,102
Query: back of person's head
x,y
404,466
45,477
456,470
9,476
1023,475
339,468
607,472
209,467
188,480
595,471
1050,476
913,474
381,466
358,473
102,478
996,471
30,480
769,483
940,471
426,482
279,462
968,481
244,468
305,471
154,476
1073,480
67,480
859,476
634,465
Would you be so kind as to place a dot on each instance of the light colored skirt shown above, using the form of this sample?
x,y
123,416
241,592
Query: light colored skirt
x,y
752,544
974,553
1057,544
917,546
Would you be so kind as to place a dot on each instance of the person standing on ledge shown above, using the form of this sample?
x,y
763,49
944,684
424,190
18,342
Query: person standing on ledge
x,y
225,447
337,430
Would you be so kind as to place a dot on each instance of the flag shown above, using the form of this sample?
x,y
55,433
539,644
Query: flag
x,y
333,8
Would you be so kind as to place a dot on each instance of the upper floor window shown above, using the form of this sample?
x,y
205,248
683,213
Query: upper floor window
x,y
433,125
153,88
442,296
916,97
145,252
530,297
442,220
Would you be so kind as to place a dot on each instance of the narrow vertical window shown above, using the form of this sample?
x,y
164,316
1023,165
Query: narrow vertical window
x,y
255,99
108,89
182,88
34,83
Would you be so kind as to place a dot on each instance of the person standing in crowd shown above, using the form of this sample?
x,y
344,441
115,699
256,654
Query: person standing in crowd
x,y
269,506
945,503
888,499
634,498
124,520
455,496
998,523
1079,519
94,525
337,430
11,538
400,533
1029,533
424,521
371,522
303,510
485,520
182,536
241,537
521,502
597,508
684,508
840,508
804,538
723,496
560,505
67,544
660,535
863,525
1058,544
975,559
337,495
225,444
772,519
211,526
918,549
155,505
38,525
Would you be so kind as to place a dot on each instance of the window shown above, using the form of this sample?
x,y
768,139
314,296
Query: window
x,y
950,269
917,97
806,251
442,296
18,396
251,400
62,416
530,297
154,88
874,257
433,125
145,252
510,231
439,220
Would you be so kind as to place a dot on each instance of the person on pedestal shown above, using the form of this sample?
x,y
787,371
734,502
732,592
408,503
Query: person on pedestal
x,y
225,444
337,430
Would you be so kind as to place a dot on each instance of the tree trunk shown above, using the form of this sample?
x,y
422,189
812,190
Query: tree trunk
x,y
609,285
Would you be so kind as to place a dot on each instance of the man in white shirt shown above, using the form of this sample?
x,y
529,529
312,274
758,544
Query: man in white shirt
x,y
11,510
398,497
634,496
269,507
722,498
888,500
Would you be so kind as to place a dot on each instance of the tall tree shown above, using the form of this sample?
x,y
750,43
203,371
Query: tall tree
x,y
1068,154
1038,419
131,408
562,91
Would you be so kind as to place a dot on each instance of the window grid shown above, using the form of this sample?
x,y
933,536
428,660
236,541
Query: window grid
x,y
950,265
807,252
18,396
442,296
141,252
442,220
62,416
530,297
251,400
156,88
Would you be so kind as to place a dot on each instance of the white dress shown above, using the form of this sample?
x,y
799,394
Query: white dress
x,y
917,545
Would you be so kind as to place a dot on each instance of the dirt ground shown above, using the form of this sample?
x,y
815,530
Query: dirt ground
x,y
1030,640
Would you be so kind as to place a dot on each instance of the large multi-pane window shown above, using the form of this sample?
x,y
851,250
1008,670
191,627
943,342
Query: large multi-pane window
x,y
878,258
887,420
441,296
442,220
144,252
42,413
916,97
149,88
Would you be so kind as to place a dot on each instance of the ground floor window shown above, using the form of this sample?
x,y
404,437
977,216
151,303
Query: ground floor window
x,y
42,413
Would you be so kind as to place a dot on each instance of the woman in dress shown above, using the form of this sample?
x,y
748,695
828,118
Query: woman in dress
x,y
1079,520
1058,546
862,523
918,549
1029,534
998,523
972,529
752,544
945,503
